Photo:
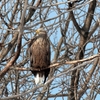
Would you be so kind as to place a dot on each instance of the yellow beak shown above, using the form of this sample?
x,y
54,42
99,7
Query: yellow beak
x,y
37,31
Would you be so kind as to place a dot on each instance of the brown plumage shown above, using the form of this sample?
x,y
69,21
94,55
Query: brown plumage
x,y
39,50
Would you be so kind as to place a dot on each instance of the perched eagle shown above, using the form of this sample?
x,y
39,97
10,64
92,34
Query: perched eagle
x,y
39,51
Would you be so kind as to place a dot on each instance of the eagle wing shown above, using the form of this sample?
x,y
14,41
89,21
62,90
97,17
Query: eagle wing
x,y
39,51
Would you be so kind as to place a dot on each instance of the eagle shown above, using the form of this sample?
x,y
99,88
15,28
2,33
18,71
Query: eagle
x,y
39,54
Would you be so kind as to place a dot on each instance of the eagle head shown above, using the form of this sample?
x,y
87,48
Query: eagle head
x,y
40,31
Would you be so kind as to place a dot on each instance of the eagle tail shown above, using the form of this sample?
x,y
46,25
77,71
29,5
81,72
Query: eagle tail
x,y
40,78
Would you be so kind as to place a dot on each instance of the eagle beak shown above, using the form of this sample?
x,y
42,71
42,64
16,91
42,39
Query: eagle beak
x,y
37,31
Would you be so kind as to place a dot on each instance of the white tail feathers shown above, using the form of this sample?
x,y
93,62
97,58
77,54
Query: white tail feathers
x,y
38,79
